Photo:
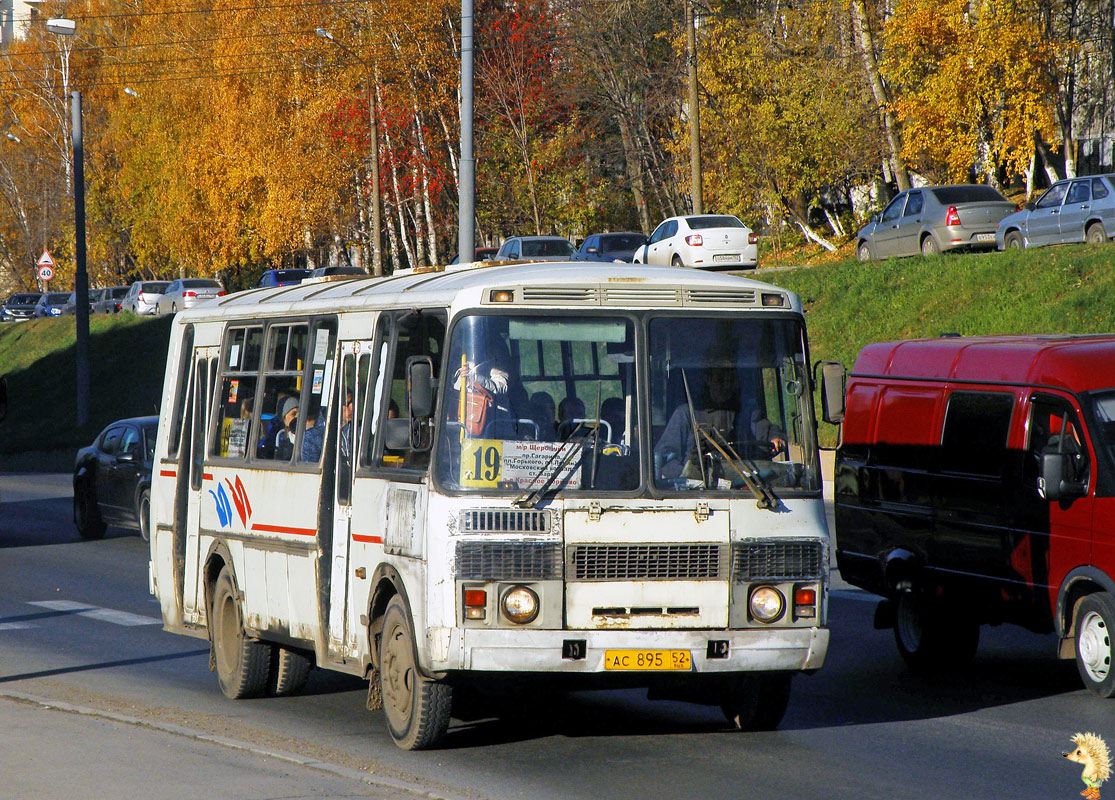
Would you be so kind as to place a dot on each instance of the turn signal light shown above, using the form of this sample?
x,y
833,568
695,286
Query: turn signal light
x,y
752,238
773,300
805,602
952,217
501,296
476,601
694,240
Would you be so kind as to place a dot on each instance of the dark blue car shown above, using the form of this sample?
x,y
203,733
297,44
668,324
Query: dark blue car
x,y
610,247
282,277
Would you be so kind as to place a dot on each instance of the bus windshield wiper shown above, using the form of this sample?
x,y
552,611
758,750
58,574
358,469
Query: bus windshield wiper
x,y
748,472
530,498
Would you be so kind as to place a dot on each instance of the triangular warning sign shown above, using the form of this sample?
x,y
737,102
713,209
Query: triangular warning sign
x,y
45,260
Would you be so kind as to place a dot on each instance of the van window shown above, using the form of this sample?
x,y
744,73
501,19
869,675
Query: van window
x,y
1053,428
974,439
904,431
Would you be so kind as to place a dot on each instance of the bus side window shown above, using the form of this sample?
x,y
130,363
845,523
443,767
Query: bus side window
x,y
320,378
373,394
420,334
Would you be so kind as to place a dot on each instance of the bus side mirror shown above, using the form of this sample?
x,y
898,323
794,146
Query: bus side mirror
x,y
833,384
1053,484
420,386
396,433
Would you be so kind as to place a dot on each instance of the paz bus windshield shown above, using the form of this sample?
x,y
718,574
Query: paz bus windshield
x,y
549,403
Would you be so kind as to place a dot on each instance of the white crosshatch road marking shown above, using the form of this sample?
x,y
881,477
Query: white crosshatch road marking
x,y
95,612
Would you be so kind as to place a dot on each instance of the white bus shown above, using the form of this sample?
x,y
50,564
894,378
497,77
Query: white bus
x,y
441,478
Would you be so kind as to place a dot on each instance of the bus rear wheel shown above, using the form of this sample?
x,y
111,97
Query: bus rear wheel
x,y
417,708
759,703
242,664
289,672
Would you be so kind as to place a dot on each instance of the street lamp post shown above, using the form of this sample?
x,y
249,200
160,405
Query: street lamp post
x,y
466,189
373,155
67,27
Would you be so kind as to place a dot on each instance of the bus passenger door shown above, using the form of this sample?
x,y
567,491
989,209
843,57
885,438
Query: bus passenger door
x,y
349,400
205,361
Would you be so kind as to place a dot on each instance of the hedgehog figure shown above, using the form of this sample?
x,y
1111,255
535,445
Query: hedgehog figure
x,y
1091,751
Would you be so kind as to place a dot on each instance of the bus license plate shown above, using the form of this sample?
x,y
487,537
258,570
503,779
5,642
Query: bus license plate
x,y
651,660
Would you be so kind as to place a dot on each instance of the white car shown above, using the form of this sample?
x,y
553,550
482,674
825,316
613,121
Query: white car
x,y
187,292
143,296
707,241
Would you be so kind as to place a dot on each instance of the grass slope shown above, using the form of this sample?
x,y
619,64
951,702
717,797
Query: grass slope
x,y
848,305
127,356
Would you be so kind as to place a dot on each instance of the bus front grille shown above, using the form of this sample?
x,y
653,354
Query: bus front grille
x,y
508,561
770,561
646,562
504,520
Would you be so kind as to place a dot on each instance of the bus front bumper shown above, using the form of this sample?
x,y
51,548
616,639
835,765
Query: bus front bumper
x,y
531,650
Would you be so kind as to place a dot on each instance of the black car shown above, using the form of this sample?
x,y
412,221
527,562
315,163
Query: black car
x,y
339,270
112,479
282,277
610,247
19,306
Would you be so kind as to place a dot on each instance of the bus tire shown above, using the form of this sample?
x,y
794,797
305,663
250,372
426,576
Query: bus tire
x,y
87,517
289,671
242,664
1094,621
928,639
416,708
759,703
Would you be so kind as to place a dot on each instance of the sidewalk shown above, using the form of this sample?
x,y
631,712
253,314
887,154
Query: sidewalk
x,y
58,750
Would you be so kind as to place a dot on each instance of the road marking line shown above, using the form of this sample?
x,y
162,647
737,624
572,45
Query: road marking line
x,y
15,626
95,612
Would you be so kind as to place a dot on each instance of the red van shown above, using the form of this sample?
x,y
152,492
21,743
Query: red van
x,y
975,484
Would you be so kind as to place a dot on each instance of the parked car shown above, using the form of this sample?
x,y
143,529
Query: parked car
x,y
112,479
187,292
535,248
282,277
69,308
973,487
480,254
1075,210
322,272
19,306
143,297
706,241
51,304
610,247
111,300
933,219
95,296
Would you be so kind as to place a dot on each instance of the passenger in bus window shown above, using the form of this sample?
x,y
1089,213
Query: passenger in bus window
x,y
284,438
569,410
544,413
313,438
611,411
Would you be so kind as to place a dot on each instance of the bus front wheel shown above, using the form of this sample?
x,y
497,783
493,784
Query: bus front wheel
x,y
758,703
417,708
242,664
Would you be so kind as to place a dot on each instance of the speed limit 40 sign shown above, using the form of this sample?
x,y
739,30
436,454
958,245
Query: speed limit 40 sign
x,y
45,273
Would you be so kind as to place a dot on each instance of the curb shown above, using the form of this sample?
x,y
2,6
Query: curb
x,y
235,744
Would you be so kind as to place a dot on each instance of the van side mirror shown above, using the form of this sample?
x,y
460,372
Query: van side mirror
x,y
1030,206
1053,484
834,379
420,386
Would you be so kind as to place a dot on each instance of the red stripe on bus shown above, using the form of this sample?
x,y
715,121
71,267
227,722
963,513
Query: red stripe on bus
x,y
356,537
167,473
207,476
284,529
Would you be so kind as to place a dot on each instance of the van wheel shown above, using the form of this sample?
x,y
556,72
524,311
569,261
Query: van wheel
x,y
87,517
864,251
289,672
1014,241
759,703
929,247
242,663
1094,622
417,709
928,640
1095,234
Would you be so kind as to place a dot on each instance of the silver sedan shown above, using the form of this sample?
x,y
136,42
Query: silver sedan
x,y
187,292
932,219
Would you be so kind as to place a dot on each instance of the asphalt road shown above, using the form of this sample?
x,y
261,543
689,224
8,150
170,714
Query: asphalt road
x,y
77,625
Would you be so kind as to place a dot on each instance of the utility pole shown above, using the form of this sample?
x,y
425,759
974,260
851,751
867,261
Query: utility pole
x,y
696,181
466,198
81,275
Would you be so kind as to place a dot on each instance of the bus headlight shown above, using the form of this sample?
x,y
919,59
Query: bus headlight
x,y
767,604
520,605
